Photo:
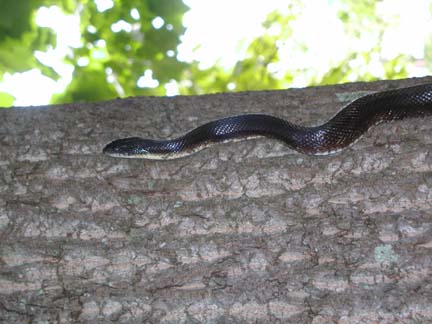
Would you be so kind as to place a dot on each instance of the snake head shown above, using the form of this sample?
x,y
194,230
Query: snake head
x,y
131,147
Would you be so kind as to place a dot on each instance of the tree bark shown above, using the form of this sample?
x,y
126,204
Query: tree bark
x,y
242,232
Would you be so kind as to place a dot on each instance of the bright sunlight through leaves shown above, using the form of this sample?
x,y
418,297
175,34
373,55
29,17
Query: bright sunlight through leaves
x,y
223,46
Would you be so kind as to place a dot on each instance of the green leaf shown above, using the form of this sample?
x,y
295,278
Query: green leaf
x,y
87,85
15,18
6,100
16,55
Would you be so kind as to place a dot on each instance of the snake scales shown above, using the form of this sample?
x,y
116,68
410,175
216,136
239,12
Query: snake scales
x,y
347,126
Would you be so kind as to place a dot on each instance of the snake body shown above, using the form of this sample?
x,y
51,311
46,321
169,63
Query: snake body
x,y
343,129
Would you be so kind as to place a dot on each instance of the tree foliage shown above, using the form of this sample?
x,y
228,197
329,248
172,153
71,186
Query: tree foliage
x,y
126,54
20,37
116,59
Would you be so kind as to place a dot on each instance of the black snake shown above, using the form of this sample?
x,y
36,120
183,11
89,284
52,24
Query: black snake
x,y
348,125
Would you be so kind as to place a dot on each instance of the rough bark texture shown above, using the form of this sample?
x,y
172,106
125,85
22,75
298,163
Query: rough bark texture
x,y
243,232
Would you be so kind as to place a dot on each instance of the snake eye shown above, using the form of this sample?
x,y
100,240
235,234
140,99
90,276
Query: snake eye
x,y
125,147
